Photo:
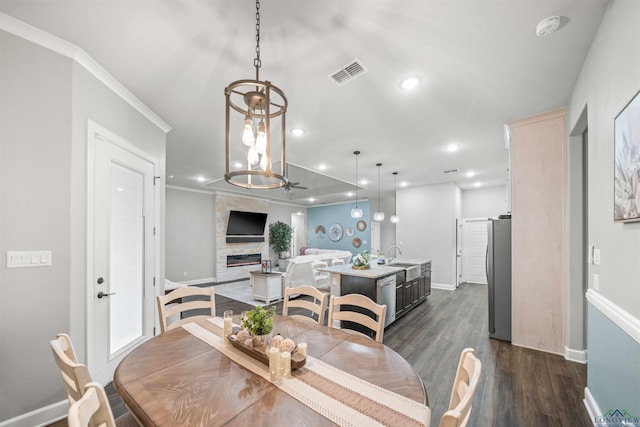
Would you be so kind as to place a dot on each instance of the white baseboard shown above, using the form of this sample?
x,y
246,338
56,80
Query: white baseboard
x,y
444,286
199,281
573,355
39,417
592,407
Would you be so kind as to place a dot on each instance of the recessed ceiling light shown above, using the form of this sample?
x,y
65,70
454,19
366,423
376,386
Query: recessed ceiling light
x,y
170,176
311,199
120,189
470,174
200,179
297,131
237,164
349,194
363,182
410,83
477,184
322,167
403,184
452,148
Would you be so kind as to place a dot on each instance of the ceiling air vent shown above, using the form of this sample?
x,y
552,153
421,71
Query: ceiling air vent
x,y
348,72
451,170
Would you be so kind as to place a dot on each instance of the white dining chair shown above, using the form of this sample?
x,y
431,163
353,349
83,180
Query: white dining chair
x,y
180,300
464,388
317,305
338,312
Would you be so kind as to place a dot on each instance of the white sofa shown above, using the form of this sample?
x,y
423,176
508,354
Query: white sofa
x,y
327,255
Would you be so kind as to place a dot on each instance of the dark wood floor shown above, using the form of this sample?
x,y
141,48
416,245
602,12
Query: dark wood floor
x,y
518,386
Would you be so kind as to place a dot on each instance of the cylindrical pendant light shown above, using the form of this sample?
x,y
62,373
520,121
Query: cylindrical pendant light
x,y
356,212
379,215
394,218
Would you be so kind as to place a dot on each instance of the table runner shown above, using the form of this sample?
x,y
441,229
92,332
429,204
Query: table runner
x,y
337,395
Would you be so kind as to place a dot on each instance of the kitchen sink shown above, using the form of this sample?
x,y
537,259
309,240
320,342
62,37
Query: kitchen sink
x,y
412,271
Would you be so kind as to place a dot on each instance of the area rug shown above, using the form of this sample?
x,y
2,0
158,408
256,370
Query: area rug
x,y
239,291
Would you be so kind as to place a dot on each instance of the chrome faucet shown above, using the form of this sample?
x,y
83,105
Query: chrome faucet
x,y
398,251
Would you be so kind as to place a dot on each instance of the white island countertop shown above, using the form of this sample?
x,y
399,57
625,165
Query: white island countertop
x,y
376,271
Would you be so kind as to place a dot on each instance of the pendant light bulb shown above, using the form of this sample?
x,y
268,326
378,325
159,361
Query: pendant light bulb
x,y
263,162
356,212
261,140
379,215
247,134
253,156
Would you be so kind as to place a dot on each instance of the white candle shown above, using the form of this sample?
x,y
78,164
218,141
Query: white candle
x,y
285,364
302,349
274,363
228,326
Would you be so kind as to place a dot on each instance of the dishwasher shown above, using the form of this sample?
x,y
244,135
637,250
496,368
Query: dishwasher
x,y
386,290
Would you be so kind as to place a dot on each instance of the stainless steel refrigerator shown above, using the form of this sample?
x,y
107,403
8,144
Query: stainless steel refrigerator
x,y
499,277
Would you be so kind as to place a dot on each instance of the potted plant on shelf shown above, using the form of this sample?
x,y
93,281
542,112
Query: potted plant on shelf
x,y
259,323
280,238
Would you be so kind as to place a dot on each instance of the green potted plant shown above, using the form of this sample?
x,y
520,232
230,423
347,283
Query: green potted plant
x,y
280,238
259,323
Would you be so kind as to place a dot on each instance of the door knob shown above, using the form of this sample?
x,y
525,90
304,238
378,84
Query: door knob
x,y
102,294
100,280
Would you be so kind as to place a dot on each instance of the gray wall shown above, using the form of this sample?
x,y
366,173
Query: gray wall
x,y
427,227
190,234
282,212
35,171
45,103
609,79
484,202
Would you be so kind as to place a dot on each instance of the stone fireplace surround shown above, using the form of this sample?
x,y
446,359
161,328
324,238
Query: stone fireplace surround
x,y
225,203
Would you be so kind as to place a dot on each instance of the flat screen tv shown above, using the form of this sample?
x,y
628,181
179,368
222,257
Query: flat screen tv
x,y
246,227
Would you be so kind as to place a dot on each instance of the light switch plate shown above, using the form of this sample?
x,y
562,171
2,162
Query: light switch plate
x,y
596,256
596,282
22,259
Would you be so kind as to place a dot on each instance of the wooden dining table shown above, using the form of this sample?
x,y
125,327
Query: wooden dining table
x,y
176,379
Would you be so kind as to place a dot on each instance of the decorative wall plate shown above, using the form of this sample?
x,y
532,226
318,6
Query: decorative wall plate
x,y
335,232
361,225
320,230
356,242
350,231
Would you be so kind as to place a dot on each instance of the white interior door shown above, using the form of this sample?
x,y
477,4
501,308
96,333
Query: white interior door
x,y
459,251
120,292
474,250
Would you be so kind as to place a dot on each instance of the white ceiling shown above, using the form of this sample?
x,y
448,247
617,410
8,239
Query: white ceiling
x,y
480,63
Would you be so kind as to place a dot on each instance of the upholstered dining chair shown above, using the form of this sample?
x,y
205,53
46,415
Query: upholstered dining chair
x,y
464,388
174,303
317,306
93,409
338,311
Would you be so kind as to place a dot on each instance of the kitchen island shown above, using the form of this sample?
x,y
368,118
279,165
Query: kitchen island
x,y
400,285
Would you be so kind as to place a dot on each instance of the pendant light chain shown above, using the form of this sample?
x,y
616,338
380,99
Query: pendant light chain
x,y
356,153
257,62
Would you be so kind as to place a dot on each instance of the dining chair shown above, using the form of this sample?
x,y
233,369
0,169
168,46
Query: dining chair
x,y
168,307
321,277
74,375
340,309
317,306
464,388
93,409
337,261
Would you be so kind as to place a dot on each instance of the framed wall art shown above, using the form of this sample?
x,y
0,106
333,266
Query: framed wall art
x,y
626,174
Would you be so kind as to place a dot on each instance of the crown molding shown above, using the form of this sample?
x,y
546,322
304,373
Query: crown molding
x,y
49,41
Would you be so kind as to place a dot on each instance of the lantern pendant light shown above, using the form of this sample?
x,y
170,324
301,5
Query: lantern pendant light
x,y
260,144
394,218
356,212
379,215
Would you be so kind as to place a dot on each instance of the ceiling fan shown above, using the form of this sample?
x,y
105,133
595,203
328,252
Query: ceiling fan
x,y
293,185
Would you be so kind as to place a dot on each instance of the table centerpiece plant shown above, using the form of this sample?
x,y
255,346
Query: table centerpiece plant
x,y
259,323
361,261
